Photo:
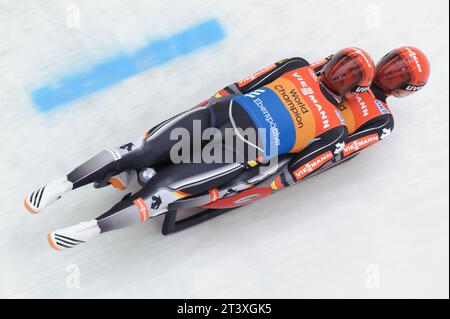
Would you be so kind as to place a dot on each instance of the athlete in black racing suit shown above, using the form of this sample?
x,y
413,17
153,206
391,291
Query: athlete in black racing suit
x,y
292,110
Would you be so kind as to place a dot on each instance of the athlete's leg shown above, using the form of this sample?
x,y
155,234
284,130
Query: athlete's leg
x,y
169,185
318,154
153,149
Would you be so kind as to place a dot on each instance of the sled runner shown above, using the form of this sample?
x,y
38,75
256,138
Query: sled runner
x,y
314,116
192,211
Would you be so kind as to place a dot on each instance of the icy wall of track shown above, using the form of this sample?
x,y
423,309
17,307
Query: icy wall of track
x,y
375,227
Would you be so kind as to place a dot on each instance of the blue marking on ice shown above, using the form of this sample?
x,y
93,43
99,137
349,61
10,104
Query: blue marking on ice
x,y
105,74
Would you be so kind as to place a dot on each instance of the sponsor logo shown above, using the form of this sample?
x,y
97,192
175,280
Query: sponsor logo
x,y
312,165
362,104
128,147
413,56
156,202
142,208
339,148
309,92
362,89
230,191
255,93
386,132
358,51
381,107
413,88
360,143
268,117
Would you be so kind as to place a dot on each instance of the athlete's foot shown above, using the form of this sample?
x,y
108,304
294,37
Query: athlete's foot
x,y
130,180
120,181
47,195
62,239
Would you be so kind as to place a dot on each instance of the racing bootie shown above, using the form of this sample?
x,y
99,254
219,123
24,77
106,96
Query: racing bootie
x,y
47,195
63,239
131,180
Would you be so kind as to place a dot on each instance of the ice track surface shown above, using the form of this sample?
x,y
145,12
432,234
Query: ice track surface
x,y
375,227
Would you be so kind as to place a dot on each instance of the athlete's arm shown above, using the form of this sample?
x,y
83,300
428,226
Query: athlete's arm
x,y
259,79
368,134
323,150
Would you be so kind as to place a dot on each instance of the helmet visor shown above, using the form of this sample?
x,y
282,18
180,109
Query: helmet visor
x,y
342,74
393,73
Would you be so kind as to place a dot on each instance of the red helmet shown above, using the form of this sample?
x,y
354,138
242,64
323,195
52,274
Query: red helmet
x,y
349,70
402,71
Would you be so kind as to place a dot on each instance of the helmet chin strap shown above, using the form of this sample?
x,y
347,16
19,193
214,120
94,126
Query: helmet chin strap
x,y
380,89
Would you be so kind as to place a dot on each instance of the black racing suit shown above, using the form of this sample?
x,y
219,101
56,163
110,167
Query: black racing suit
x,y
319,137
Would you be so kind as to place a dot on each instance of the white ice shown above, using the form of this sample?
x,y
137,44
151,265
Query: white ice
x,y
375,227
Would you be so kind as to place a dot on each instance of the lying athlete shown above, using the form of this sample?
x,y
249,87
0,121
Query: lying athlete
x,y
292,110
401,72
